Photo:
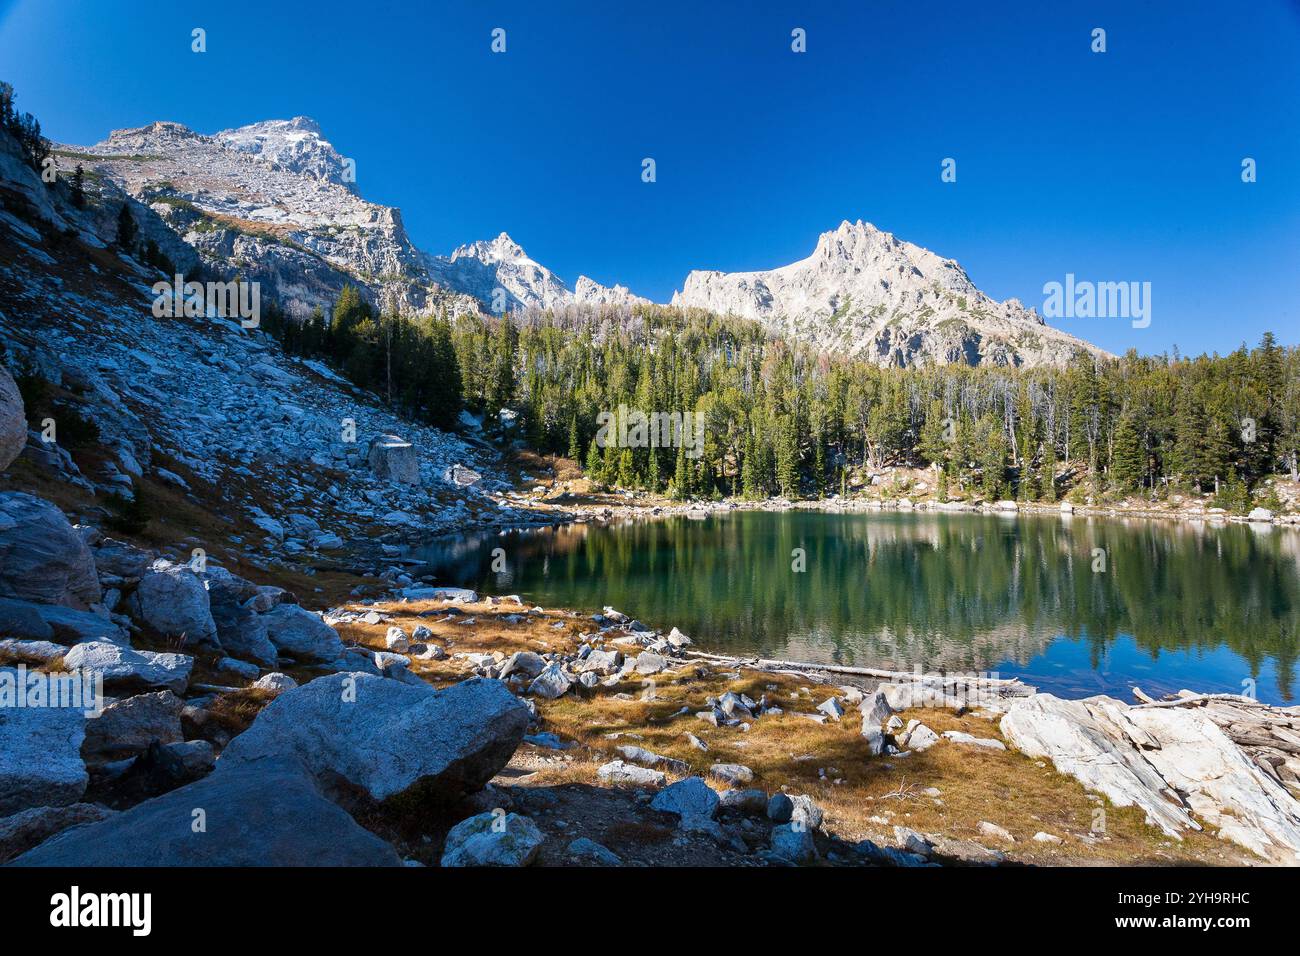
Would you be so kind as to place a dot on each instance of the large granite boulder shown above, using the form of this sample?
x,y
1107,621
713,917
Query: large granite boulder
x,y
173,601
40,750
267,815
53,622
42,559
13,420
389,738
394,459
125,669
300,633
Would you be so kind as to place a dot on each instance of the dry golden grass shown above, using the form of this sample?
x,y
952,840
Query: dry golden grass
x,y
874,793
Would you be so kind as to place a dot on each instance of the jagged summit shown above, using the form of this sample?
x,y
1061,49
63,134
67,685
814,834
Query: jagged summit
x,y
863,291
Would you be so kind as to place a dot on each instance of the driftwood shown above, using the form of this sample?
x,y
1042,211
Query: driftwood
x,y
898,677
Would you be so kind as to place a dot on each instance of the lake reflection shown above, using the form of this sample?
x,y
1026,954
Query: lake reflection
x,y
1177,604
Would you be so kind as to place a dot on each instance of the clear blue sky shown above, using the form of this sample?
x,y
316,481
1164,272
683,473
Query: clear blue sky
x,y
1115,166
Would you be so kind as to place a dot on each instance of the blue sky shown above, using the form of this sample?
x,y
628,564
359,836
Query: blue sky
x,y
1116,166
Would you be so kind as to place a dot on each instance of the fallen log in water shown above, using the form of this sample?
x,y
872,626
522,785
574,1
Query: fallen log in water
x,y
896,677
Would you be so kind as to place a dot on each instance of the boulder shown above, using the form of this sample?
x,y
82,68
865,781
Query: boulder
x,y
780,808
40,752
590,853
394,459
174,602
625,774
268,815
42,559
646,758
750,802
243,633
492,839
603,663
918,736
525,663
691,797
21,831
551,683
396,640
995,832
792,843
300,633
118,559
30,652
1259,514
13,420
650,663
128,726
53,622
389,738
275,682
125,669
732,774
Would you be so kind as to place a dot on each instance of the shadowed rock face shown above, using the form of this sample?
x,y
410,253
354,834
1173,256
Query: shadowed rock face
x,y
41,558
267,815
387,738
13,423
40,753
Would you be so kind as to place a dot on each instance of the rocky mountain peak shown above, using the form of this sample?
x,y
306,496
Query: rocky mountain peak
x,y
501,249
295,144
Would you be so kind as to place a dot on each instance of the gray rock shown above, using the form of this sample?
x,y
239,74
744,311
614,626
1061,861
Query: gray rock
x,y
125,669
119,559
525,663
228,665
780,808
394,459
42,559
266,815
731,773
749,802
995,832
196,757
127,727
639,755
691,797
793,843
275,682
988,743
591,853
40,753
805,811
243,633
13,420
389,738
174,602
625,774
875,710
21,831
300,633
918,737
492,839
832,708
397,641
551,683
875,739
30,652
53,622
650,663
601,662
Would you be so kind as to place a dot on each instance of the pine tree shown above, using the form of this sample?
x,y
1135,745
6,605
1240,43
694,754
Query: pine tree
x,y
126,230
1127,463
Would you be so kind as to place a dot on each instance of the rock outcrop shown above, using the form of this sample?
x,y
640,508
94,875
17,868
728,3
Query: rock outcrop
x,y
13,421
40,751
1174,763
